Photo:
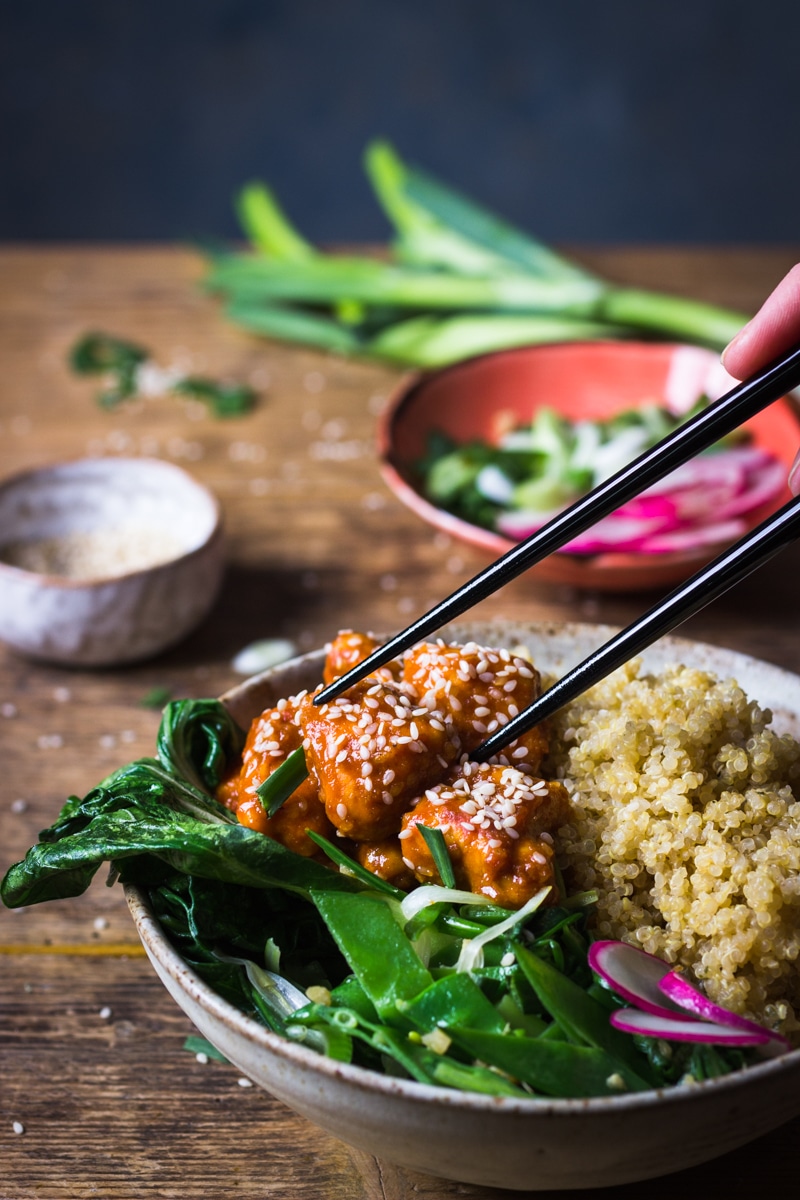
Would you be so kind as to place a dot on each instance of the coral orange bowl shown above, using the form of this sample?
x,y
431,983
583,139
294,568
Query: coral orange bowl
x,y
483,397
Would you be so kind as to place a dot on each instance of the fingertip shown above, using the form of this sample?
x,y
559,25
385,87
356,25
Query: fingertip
x,y
731,355
794,476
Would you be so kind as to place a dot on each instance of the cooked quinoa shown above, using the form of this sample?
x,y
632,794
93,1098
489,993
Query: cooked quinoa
x,y
686,823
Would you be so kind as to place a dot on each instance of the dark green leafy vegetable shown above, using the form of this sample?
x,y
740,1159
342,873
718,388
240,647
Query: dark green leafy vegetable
x,y
327,957
196,740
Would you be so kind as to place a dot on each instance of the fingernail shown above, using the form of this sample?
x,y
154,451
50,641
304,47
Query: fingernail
x,y
794,476
733,342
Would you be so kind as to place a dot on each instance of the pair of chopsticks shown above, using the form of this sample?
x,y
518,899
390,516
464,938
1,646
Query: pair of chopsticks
x,y
718,419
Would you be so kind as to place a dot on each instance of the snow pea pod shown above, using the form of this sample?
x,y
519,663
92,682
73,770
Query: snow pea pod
x,y
415,1059
454,1000
378,952
454,1074
555,1068
582,1018
350,994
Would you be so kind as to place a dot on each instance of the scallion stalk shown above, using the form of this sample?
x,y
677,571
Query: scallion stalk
x,y
460,281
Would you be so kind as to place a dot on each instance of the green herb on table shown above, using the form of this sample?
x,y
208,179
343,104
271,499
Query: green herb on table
x,y
123,364
197,1045
458,281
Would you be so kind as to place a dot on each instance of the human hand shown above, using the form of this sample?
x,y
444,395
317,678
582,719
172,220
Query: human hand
x,y
774,329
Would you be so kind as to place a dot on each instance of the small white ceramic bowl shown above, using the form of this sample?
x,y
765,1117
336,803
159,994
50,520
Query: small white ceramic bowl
x,y
105,561
527,1145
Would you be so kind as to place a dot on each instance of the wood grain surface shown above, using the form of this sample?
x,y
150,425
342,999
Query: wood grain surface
x,y
92,1063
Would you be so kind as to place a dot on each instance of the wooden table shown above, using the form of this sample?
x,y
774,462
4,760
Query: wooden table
x,y
93,1065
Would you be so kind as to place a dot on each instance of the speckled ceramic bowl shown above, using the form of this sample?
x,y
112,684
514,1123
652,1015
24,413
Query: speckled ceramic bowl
x,y
526,1145
105,561
482,398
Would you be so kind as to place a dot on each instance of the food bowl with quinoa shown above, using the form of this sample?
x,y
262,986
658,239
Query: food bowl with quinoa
x,y
397,1003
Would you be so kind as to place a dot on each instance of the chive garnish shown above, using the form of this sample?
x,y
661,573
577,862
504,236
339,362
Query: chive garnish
x,y
434,840
278,787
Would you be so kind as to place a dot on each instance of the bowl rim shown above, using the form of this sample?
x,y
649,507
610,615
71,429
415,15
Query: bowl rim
x,y
213,536
158,946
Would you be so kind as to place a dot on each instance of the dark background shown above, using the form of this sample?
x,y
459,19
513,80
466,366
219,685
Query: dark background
x,y
622,121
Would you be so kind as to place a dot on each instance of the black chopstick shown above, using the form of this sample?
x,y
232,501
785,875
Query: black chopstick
x,y
718,419
692,595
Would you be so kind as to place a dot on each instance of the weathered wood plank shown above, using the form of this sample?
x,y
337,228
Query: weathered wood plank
x,y
115,1108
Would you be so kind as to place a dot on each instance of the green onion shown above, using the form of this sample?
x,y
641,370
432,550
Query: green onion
x,y
349,866
459,281
266,225
434,840
278,787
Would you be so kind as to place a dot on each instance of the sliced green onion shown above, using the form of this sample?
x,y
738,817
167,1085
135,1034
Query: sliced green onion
x,y
350,867
434,840
278,787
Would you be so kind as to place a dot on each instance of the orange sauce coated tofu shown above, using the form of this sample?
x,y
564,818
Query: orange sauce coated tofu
x,y
347,650
385,859
497,824
374,750
272,737
482,689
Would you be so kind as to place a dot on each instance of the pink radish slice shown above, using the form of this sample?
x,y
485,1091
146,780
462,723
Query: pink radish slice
x,y
672,1029
764,484
694,507
693,539
522,522
677,988
616,533
634,975
702,472
648,508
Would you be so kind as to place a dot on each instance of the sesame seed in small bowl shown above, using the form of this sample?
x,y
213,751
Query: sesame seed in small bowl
x,y
105,561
